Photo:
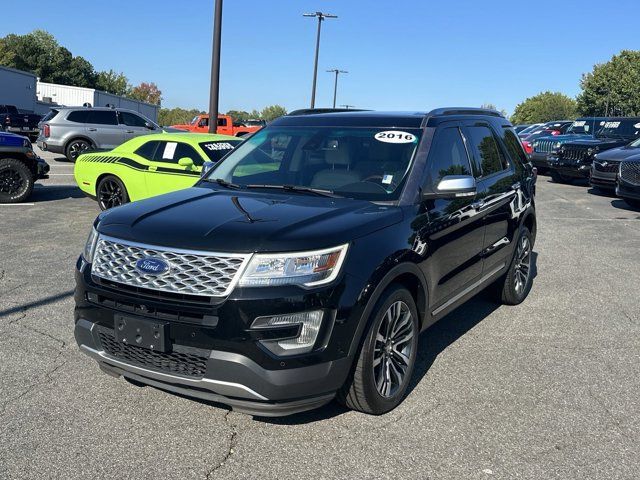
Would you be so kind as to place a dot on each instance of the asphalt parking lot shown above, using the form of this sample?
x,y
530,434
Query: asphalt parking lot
x,y
548,389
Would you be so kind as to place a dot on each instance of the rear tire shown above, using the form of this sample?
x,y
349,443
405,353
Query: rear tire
x,y
16,181
514,287
387,356
632,202
75,148
111,192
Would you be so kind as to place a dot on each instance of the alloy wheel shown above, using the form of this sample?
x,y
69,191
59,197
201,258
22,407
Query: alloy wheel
x,y
523,264
77,148
110,194
393,349
11,181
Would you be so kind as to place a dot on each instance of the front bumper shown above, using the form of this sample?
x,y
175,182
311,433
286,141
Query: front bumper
x,y
540,160
571,169
627,190
234,370
42,169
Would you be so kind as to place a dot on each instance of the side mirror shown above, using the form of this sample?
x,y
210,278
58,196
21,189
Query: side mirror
x,y
149,125
453,186
185,162
206,167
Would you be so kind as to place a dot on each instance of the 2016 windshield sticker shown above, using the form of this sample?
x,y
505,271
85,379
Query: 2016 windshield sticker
x,y
581,123
218,146
612,125
392,136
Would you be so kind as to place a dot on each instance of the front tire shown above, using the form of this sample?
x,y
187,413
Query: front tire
x,y
514,287
75,148
16,181
387,356
111,192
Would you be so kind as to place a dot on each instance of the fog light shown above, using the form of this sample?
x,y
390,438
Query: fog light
x,y
310,323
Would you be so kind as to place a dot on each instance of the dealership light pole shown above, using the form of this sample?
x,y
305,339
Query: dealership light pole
x,y
335,83
215,67
321,16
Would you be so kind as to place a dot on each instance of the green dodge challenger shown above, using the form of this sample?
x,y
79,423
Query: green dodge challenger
x,y
148,166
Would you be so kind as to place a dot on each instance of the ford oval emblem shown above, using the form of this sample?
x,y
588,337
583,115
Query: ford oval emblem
x,y
152,266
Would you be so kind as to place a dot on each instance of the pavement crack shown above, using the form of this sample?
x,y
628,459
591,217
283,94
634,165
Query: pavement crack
x,y
233,440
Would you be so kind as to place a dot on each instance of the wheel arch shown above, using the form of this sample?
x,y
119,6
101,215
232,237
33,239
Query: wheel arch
x,y
78,137
110,174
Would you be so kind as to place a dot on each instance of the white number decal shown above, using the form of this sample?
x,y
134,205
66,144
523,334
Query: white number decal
x,y
218,146
392,136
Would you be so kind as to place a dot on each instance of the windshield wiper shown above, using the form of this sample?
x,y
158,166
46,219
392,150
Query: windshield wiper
x,y
223,183
296,188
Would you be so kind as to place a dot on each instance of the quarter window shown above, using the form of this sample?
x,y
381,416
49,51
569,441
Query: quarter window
x,y
486,150
448,156
102,117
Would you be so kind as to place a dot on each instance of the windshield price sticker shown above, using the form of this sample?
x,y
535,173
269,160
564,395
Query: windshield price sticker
x,y
218,146
612,125
392,136
579,124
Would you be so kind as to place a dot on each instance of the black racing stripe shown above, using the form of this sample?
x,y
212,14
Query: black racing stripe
x,y
171,171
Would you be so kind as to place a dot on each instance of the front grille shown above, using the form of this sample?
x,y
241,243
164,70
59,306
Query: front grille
x,y
630,172
607,167
544,146
190,272
574,154
186,364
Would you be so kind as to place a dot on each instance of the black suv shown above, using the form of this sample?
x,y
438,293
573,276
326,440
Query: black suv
x,y
573,159
303,266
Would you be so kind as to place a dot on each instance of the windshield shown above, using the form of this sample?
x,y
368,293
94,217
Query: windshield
x,y
194,120
365,163
585,126
624,129
216,150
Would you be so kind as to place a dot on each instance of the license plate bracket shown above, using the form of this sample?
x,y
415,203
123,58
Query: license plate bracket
x,y
139,332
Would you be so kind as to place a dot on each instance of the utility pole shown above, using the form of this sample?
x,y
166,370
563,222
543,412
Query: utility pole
x,y
335,84
321,16
215,68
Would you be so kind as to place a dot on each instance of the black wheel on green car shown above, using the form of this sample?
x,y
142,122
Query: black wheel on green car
x,y
387,356
75,148
16,181
111,192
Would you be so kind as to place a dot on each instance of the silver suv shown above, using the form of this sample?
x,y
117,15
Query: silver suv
x,y
72,130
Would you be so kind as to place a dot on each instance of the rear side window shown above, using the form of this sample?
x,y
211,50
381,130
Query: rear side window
x,y
147,150
102,117
486,150
514,147
78,116
132,120
448,155
171,152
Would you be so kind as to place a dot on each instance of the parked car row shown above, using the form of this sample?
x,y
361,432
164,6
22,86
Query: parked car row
x,y
604,150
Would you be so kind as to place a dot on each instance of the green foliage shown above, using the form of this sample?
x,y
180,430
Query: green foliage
x,y
272,112
545,107
113,82
612,88
174,116
491,106
239,115
146,92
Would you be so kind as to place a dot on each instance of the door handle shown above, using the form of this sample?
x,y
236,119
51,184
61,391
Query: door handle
x,y
92,129
129,131
152,168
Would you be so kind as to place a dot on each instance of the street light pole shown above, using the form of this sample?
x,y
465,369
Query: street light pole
x,y
321,16
215,68
335,84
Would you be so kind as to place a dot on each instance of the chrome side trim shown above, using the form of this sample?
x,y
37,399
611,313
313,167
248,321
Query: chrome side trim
x,y
228,389
461,294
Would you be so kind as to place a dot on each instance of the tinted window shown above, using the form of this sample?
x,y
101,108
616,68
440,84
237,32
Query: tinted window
x,y
620,128
514,147
171,152
204,122
448,156
102,117
78,116
50,115
486,150
222,122
132,120
186,151
216,150
147,150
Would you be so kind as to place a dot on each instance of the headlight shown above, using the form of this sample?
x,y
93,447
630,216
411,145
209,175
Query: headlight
x,y
308,269
557,145
90,246
309,323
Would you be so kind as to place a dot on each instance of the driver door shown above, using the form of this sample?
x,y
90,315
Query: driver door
x,y
133,125
166,175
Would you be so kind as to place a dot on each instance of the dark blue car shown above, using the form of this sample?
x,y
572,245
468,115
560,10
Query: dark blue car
x,y
20,167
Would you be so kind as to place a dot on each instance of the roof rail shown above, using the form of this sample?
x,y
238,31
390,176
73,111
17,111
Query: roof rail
x,y
317,111
464,111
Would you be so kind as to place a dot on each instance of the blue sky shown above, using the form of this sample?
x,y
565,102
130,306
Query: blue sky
x,y
402,55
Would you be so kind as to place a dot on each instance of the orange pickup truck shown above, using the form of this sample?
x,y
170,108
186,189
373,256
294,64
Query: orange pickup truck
x,y
200,124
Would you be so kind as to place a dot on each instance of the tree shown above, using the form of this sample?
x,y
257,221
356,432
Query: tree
x,y
113,82
239,115
545,107
491,106
612,88
147,92
272,112
173,116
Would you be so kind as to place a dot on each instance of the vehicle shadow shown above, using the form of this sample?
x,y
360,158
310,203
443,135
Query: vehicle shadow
x,y
599,192
433,341
622,205
48,193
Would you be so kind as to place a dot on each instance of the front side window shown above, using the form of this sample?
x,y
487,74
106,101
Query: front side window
x,y
171,152
102,117
132,120
486,150
514,146
448,156
368,163
216,150
204,122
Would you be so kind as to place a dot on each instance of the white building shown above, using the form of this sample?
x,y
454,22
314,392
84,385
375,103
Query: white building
x,y
18,88
67,95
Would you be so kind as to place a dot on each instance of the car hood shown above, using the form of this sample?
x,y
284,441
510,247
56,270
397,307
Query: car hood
x,y
565,138
204,218
620,153
605,143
